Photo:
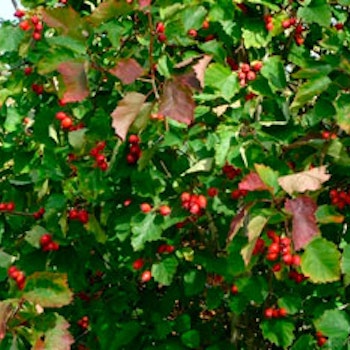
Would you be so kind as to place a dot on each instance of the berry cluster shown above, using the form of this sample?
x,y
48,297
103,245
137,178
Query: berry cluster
x,y
248,72
18,276
259,247
268,23
328,135
34,23
79,215
321,339
39,214
165,248
236,194
100,159
289,22
280,247
296,276
193,203
298,38
230,171
38,89
134,150
84,322
7,207
160,29
65,119
47,244
339,198
275,312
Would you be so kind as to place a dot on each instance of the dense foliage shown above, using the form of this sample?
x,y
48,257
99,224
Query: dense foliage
x,y
174,175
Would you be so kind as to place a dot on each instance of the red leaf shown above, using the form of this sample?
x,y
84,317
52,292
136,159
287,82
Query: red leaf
x,y
304,229
126,112
127,70
200,67
252,182
236,224
75,81
144,3
177,102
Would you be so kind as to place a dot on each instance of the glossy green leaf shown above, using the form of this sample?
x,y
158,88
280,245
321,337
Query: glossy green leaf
x,y
317,11
163,272
278,332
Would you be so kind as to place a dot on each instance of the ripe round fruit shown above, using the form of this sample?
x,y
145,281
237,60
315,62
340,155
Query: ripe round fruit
x,y
45,239
145,207
268,313
138,264
66,123
234,289
146,276
36,36
10,206
134,139
164,210
282,312
192,33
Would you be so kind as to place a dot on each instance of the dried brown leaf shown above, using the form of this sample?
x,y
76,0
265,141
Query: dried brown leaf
x,y
310,180
126,112
127,70
252,182
304,226
200,67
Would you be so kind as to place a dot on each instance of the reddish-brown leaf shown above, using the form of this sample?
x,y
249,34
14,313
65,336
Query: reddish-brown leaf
x,y
109,9
200,67
75,81
190,80
144,3
236,224
304,224
127,70
177,102
252,182
126,112
310,180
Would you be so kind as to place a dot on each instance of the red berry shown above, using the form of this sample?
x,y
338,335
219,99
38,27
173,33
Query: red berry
x,y
19,13
13,272
339,26
138,264
268,313
162,37
20,278
36,36
61,115
288,259
160,27
286,23
134,139
251,75
234,289
146,276
127,202
245,67
83,216
269,26
282,312
274,248
35,19
277,267
10,206
205,24
28,70
25,25
259,246
296,260
135,150
131,158
73,214
45,239
272,256
202,201
100,158
185,197
212,191
145,207
257,66
195,209
192,33
321,341
164,210
66,123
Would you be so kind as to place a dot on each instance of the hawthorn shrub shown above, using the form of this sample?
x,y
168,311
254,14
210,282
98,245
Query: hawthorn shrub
x,y
174,175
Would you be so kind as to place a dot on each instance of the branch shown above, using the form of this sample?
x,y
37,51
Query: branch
x,y
15,4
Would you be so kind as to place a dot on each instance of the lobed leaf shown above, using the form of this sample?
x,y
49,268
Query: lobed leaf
x,y
127,70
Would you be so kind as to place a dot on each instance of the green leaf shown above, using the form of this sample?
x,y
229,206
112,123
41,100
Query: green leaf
x,y
279,332
268,176
5,259
327,214
204,165
309,90
214,298
292,303
33,235
13,120
273,71
48,289
194,281
321,261
93,226
191,339
164,271
343,112
318,11
145,230
334,324
193,17
345,264
306,341
222,80
255,34
10,38
77,138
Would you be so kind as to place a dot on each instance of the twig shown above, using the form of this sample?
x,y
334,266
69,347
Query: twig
x,y
15,4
